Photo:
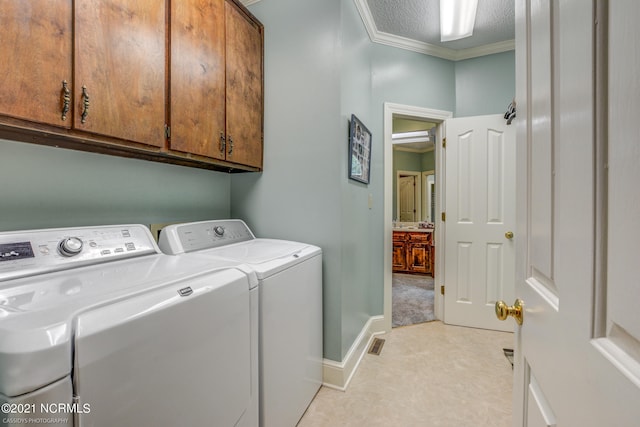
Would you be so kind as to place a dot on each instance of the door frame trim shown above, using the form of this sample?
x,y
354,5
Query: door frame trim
x,y
435,116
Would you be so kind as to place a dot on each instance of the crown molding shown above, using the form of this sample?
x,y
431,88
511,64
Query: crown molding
x,y
418,46
488,49
422,47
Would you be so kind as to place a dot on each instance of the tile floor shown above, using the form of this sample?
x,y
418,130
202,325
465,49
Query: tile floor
x,y
429,374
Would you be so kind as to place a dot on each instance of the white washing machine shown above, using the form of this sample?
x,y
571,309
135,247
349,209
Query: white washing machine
x,y
290,284
99,328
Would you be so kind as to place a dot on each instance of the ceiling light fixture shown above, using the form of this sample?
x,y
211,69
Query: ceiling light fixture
x,y
410,137
457,18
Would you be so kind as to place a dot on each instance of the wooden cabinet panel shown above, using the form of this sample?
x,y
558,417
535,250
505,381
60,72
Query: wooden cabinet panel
x,y
198,77
399,256
418,257
244,88
35,54
418,237
124,86
216,82
120,59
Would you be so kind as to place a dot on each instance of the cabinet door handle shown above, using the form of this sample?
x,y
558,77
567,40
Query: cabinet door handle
x,y
66,99
230,145
223,143
85,104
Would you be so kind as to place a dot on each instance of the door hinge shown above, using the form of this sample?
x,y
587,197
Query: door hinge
x,y
442,290
443,216
167,131
444,142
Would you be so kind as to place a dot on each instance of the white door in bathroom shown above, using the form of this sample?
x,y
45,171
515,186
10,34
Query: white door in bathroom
x,y
407,198
577,352
480,214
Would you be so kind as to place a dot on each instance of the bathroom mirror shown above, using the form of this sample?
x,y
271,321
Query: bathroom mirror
x,y
415,196
413,169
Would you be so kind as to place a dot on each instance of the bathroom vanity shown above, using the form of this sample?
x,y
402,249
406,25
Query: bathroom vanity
x,y
413,250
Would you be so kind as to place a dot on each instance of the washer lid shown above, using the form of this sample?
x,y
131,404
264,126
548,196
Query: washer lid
x,y
266,256
37,313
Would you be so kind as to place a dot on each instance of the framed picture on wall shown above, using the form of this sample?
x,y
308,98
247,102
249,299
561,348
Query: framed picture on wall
x,y
359,151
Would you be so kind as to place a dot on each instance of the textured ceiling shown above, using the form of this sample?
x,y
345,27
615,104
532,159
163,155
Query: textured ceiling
x,y
420,20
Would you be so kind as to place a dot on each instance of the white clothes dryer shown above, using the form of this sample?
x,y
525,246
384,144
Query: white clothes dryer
x,y
99,328
290,285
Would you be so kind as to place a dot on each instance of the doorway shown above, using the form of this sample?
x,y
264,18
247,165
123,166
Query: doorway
x,y
437,117
412,272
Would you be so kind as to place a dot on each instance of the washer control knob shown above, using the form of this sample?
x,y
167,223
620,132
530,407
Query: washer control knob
x,y
219,230
70,246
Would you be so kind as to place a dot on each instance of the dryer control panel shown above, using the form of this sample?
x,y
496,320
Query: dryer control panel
x,y
27,253
196,236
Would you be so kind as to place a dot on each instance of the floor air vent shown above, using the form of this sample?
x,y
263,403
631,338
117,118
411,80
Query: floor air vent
x,y
508,353
376,346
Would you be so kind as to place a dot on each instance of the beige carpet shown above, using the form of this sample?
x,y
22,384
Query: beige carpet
x,y
412,299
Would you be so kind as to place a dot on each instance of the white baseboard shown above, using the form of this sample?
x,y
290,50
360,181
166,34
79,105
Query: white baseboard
x,y
337,375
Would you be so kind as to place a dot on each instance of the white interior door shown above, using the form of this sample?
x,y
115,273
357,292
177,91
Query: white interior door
x,y
578,350
407,198
480,211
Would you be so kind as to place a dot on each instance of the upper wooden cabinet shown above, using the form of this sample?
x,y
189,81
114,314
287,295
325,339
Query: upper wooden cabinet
x,y
244,88
119,87
216,81
197,77
171,81
35,60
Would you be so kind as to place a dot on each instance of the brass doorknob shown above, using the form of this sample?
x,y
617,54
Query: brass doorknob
x,y
509,235
503,310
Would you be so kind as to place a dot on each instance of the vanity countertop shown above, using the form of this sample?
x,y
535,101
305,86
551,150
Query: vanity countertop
x,y
414,229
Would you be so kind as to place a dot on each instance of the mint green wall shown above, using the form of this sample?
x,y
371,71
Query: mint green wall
x,y
410,78
299,194
485,85
407,161
359,283
45,187
428,161
320,67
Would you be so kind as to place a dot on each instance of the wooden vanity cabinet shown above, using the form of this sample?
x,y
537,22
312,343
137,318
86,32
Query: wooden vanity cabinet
x,y
36,58
412,252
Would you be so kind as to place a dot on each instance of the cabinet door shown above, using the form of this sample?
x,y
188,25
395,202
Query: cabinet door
x,y
198,77
120,59
399,257
244,88
418,257
36,58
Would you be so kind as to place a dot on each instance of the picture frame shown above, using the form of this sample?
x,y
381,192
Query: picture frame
x,y
359,151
